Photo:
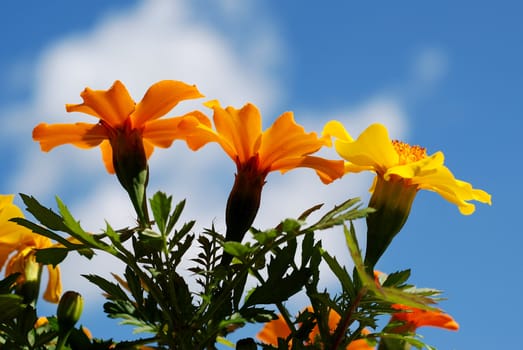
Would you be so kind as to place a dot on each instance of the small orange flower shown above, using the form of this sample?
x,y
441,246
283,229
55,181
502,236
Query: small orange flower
x,y
278,328
122,123
23,243
414,318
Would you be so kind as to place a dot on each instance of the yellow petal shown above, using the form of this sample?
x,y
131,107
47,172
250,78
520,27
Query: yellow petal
x,y
53,290
336,129
114,105
82,135
420,168
373,148
160,98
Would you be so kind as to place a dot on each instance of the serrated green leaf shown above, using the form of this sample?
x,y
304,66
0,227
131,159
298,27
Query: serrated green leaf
x,y
173,219
282,260
44,215
280,290
396,279
112,234
161,207
113,289
75,230
340,272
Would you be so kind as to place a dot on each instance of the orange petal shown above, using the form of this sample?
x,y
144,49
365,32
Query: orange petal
x,y
161,98
416,318
107,156
240,130
81,135
113,105
285,139
163,132
273,330
327,170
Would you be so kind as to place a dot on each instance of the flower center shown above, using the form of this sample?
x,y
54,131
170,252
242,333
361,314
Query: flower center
x,y
407,153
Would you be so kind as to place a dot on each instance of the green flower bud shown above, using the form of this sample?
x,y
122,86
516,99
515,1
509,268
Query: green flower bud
x,y
69,310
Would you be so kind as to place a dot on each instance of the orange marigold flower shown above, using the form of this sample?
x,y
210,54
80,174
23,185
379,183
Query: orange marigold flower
x,y
121,120
278,328
414,318
17,247
401,171
283,146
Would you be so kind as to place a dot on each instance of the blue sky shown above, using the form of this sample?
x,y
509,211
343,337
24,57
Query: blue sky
x,y
444,75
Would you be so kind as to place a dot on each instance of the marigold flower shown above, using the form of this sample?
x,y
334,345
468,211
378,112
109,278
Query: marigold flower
x,y
120,119
23,243
402,170
127,132
413,318
283,146
278,328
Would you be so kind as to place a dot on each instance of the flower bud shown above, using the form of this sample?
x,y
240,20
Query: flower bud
x,y
69,310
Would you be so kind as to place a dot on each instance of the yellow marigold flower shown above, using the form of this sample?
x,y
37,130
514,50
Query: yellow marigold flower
x,y
17,247
283,146
121,120
402,170
278,328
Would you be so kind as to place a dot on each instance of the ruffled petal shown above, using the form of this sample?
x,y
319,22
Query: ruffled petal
x,y
82,135
286,139
239,129
335,129
421,168
162,132
373,148
113,106
53,291
327,170
160,98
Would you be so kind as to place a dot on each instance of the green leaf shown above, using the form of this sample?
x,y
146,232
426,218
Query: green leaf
x,y
340,272
11,305
75,230
397,279
161,207
236,249
45,215
175,215
387,294
51,256
113,289
277,291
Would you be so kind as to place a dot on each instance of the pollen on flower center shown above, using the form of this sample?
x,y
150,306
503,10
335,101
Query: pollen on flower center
x,y
407,153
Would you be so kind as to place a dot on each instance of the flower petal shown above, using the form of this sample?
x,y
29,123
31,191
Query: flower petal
x,y
107,156
82,135
239,129
162,132
286,139
113,106
273,330
53,291
336,129
373,148
327,170
160,98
